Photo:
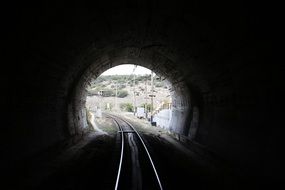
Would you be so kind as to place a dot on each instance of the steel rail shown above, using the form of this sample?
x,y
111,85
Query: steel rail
x,y
150,159
121,157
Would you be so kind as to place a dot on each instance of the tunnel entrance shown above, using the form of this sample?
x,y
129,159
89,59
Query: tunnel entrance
x,y
177,98
132,90
160,96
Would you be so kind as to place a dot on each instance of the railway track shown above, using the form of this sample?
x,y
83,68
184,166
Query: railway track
x,y
136,168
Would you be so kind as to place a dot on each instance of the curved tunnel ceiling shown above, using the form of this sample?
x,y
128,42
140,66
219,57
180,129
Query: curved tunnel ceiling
x,y
149,59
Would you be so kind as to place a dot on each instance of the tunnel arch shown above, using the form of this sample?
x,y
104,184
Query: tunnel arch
x,y
181,109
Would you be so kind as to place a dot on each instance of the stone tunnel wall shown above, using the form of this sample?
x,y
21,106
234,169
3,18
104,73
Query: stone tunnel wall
x,y
160,64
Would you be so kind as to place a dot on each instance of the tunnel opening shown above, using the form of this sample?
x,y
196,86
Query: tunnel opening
x,y
181,117
130,89
183,122
199,106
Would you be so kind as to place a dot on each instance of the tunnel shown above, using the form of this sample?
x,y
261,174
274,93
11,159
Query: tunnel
x,y
216,55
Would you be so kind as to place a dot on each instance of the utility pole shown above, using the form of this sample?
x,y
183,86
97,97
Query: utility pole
x,y
99,110
134,94
151,116
116,95
145,105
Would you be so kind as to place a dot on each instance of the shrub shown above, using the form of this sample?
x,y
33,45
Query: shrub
x,y
148,107
127,107
92,92
122,93
108,93
122,86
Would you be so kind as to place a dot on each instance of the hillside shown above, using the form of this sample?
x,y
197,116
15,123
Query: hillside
x,y
102,92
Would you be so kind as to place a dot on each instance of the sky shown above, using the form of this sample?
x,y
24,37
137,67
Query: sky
x,y
127,69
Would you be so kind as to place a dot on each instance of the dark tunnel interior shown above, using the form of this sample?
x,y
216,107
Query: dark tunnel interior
x,y
217,56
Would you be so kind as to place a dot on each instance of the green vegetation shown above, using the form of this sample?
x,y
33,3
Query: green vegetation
x,y
92,92
122,93
148,107
108,92
122,80
108,106
106,85
127,107
107,125
143,78
104,89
